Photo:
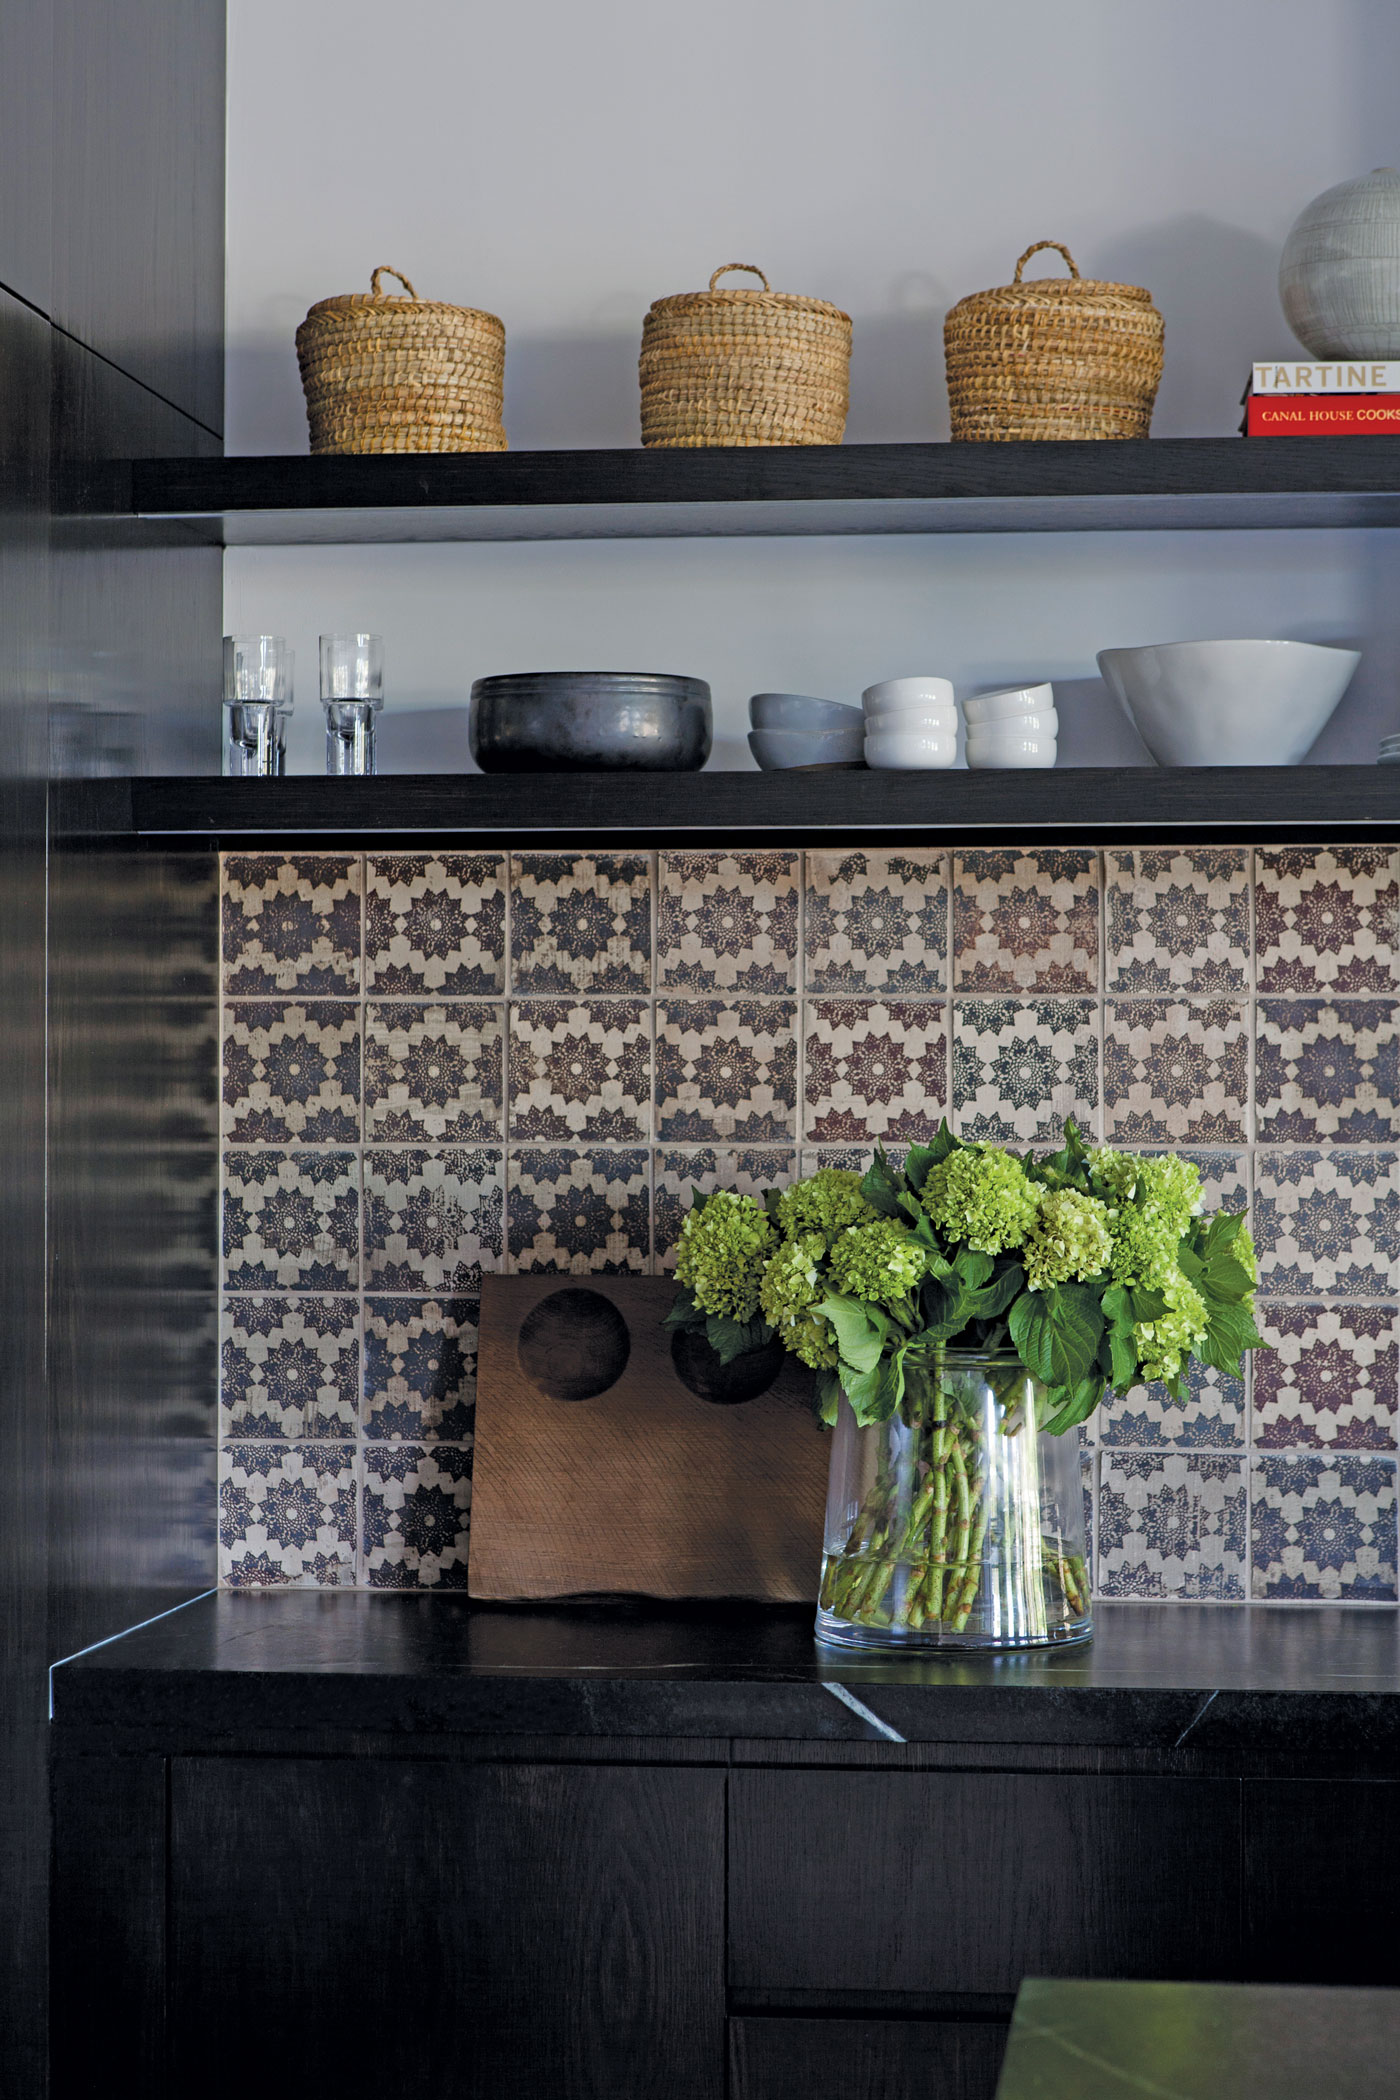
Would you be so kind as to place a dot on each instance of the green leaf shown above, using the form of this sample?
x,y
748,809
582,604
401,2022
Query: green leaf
x,y
881,1186
1118,1303
937,1299
1231,1331
684,1312
730,1338
699,1197
973,1266
858,1337
828,1395
1071,1163
922,1159
1123,1356
1147,1304
1073,1405
1057,1333
1003,1290
872,1393
1225,1277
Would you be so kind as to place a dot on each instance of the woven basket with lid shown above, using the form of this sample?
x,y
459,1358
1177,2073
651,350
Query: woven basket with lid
x,y
743,367
389,374
1056,358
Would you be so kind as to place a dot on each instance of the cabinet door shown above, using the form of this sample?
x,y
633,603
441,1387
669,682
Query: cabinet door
x,y
484,1932
1322,1881
966,1882
785,2059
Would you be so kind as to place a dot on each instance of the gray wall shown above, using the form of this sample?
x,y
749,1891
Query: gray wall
x,y
111,175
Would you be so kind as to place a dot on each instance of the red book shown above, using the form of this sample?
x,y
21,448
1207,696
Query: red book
x,y
1323,415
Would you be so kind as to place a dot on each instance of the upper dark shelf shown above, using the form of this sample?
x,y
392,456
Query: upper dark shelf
x,y
1131,805
1163,484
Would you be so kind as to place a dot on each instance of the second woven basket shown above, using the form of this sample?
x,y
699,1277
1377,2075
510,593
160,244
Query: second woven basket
x,y
1056,358
386,374
743,367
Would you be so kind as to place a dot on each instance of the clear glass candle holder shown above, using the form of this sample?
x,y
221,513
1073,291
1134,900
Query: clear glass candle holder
x,y
257,702
352,693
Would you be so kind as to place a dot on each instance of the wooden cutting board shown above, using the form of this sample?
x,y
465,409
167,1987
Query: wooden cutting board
x,y
602,1465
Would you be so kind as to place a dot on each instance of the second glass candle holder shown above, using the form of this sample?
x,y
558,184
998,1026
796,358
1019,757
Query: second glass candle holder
x,y
257,702
352,693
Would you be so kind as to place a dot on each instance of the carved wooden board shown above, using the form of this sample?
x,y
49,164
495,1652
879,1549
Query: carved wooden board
x,y
601,1465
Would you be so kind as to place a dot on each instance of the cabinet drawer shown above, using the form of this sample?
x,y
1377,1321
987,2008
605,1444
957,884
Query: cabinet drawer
x,y
958,1882
793,2059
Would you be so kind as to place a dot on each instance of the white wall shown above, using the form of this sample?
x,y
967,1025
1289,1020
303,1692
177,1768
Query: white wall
x,y
563,165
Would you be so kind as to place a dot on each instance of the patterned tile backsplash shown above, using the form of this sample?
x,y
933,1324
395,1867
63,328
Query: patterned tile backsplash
x,y
436,1064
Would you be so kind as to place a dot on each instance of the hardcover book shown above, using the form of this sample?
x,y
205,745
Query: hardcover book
x,y
1322,415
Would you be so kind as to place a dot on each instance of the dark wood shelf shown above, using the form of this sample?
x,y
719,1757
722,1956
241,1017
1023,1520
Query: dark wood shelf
x,y
1164,484
1274,804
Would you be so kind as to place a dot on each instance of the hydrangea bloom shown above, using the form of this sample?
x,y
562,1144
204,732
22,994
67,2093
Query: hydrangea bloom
x,y
721,1254
1070,1238
793,1287
1145,1240
1114,1174
827,1202
1164,1344
983,1197
880,1263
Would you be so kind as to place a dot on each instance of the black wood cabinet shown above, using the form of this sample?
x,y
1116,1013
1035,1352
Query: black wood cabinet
x,y
834,2059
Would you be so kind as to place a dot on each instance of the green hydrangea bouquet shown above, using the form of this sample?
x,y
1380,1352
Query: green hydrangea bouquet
x,y
1090,1270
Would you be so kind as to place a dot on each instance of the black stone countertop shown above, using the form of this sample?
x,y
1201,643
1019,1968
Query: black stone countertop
x,y
1319,1680
1201,2041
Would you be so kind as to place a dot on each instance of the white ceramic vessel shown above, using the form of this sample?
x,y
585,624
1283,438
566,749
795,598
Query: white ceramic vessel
x,y
910,750
1046,724
914,718
1009,702
1339,277
1004,746
1245,703
896,694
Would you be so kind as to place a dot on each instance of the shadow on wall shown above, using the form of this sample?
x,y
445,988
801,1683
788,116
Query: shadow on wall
x,y
1226,280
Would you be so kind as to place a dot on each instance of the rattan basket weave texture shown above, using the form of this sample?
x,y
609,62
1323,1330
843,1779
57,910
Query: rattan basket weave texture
x,y
1056,358
743,367
388,374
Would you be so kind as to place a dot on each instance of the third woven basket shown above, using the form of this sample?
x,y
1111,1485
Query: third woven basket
x,y
1056,358
743,367
386,374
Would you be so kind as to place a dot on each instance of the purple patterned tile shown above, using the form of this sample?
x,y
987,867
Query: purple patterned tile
x,y
1327,1379
420,1369
587,1213
1327,1069
435,923
726,1069
433,1071
1327,920
1171,1524
1021,1066
747,1172
580,1073
581,923
1026,921
417,1516
289,1367
287,1515
1328,1222
877,922
1176,1068
291,923
291,1072
875,1069
1147,1418
432,1219
1324,1527
1178,920
291,1219
727,922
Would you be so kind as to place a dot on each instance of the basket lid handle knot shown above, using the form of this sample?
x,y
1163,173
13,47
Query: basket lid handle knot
x,y
1035,249
385,271
752,269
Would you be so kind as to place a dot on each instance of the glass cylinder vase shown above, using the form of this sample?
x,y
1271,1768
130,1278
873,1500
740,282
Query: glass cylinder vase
x,y
958,1523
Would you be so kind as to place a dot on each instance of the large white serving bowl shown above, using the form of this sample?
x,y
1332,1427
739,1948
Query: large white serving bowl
x,y
1254,703
1008,702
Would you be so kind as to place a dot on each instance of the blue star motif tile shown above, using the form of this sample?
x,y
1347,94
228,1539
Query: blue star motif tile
x,y
420,1369
1324,1526
417,1516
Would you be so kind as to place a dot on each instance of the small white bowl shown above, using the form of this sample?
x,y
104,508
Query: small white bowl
x,y
933,718
897,694
1047,723
1009,701
910,750
990,752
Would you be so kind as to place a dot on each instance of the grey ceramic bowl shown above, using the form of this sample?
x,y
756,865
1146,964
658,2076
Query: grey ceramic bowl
x,y
800,711
590,722
777,749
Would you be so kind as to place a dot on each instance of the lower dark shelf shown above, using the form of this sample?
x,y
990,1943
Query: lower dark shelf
x,y
1278,805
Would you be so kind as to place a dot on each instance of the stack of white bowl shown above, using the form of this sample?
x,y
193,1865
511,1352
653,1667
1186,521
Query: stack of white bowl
x,y
911,724
1017,726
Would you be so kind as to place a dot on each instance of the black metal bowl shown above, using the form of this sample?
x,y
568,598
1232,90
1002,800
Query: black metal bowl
x,y
590,722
